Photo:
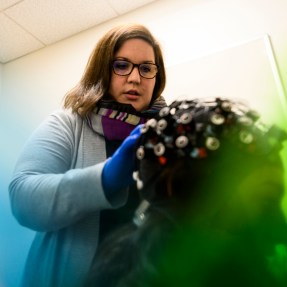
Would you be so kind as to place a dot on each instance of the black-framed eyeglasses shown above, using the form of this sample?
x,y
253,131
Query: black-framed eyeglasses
x,y
124,68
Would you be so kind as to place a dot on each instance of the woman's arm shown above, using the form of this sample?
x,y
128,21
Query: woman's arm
x,y
45,194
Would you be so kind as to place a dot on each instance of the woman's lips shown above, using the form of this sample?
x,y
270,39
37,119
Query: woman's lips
x,y
132,95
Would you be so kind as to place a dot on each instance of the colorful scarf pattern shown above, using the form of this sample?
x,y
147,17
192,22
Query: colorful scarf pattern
x,y
115,121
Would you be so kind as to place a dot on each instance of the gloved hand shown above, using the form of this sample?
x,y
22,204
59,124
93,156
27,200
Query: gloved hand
x,y
118,170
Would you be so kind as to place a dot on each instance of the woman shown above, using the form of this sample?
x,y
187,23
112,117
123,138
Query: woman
x,y
62,180
211,181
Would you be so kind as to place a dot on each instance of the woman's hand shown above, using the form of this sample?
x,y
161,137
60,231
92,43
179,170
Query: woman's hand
x,y
118,170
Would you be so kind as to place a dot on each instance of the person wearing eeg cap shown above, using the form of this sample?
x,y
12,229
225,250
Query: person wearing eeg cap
x,y
211,181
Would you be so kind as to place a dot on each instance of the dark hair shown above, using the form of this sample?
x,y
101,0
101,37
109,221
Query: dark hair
x,y
186,232
95,81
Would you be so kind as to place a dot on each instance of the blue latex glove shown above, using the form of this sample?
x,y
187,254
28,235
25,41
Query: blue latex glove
x,y
118,170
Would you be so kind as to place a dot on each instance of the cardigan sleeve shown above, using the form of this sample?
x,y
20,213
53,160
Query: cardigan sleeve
x,y
45,194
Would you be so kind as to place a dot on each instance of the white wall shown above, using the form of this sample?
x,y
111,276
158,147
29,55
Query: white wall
x,y
1,66
34,85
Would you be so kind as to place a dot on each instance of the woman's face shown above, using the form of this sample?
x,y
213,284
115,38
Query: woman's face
x,y
133,89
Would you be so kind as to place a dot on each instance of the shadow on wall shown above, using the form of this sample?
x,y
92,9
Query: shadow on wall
x,y
15,240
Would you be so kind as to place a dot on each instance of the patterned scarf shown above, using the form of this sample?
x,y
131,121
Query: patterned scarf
x,y
115,121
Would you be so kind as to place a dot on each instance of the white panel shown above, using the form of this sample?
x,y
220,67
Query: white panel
x,y
53,20
247,71
124,6
15,41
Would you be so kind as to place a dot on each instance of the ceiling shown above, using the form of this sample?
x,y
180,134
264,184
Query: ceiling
x,y
29,25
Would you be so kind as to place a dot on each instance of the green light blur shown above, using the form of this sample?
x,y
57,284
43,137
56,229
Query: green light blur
x,y
236,235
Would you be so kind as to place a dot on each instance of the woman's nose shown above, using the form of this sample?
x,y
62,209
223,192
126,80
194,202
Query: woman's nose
x,y
134,76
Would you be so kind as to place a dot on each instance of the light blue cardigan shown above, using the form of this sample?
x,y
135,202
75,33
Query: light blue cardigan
x,y
56,190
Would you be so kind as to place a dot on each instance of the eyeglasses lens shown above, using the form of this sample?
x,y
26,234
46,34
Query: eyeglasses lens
x,y
124,68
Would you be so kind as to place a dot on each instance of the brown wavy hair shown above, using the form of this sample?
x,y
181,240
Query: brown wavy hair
x,y
95,81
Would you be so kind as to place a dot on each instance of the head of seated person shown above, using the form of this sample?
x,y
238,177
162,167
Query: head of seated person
x,y
216,159
217,171
211,179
